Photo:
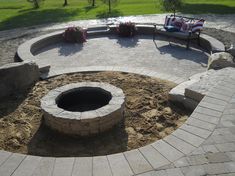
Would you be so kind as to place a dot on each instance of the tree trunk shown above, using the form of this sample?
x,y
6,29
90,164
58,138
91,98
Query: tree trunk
x,y
36,4
65,3
109,6
93,3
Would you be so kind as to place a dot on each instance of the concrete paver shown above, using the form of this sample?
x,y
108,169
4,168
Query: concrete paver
x,y
3,156
206,118
82,166
167,150
119,165
179,144
137,161
217,157
101,166
45,167
200,123
210,149
63,166
196,131
11,164
197,160
27,167
188,137
193,170
154,157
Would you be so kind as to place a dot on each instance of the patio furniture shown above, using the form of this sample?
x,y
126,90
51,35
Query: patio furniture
x,y
185,28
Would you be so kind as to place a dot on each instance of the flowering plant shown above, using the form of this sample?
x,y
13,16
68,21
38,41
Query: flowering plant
x,y
127,29
75,34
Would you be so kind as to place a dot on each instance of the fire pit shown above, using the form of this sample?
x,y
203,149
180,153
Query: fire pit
x,y
83,108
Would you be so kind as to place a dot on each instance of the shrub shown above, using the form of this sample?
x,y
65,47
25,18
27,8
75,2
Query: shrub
x,y
126,29
75,34
171,5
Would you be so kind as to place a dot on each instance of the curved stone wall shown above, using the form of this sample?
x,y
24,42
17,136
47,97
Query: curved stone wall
x,y
27,50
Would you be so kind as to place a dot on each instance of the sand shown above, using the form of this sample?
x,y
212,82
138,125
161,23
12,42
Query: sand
x,y
149,116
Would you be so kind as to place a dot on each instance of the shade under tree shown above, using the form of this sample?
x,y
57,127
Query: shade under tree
x,y
171,5
110,3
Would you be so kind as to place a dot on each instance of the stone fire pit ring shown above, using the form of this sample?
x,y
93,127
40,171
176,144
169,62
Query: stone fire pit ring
x,y
79,121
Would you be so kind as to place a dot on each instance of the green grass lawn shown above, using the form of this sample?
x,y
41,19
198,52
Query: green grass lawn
x,y
19,13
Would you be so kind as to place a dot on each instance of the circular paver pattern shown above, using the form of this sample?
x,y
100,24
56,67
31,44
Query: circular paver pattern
x,y
62,114
139,51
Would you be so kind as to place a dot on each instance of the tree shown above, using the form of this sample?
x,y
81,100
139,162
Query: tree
x,y
65,3
171,5
92,2
110,3
35,3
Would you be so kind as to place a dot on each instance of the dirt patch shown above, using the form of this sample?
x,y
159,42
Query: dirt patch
x,y
9,47
149,116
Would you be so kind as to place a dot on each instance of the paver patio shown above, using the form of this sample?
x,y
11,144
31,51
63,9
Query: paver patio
x,y
138,52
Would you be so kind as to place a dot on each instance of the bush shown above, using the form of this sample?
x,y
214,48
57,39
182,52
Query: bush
x,y
126,29
75,35
171,5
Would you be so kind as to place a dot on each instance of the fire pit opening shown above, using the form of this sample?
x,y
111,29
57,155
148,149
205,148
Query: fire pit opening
x,y
84,99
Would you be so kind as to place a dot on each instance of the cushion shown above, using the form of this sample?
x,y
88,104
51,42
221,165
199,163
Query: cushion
x,y
178,22
171,29
169,20
185,26
173,21
198,25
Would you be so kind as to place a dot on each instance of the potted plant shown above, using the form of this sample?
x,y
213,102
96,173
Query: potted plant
x,y
75,35
127,29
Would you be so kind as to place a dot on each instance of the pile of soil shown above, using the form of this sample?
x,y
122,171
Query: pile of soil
x,y
149,116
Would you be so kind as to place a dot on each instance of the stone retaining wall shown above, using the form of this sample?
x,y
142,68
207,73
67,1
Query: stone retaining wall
x,y
16,77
